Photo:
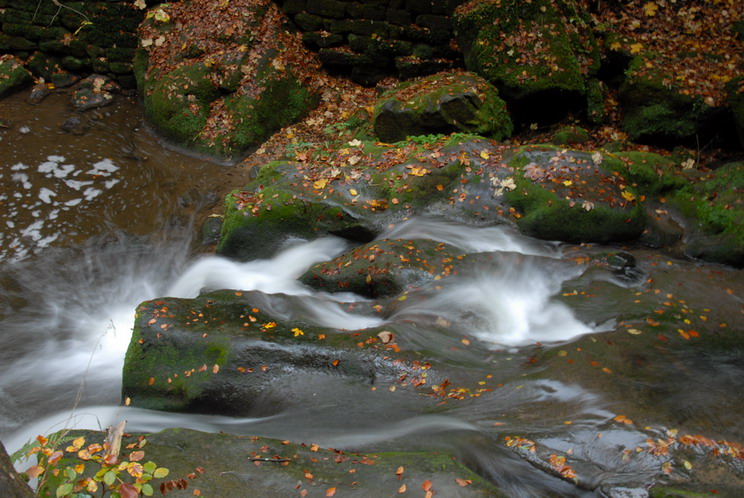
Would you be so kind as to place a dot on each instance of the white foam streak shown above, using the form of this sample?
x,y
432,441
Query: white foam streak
x,y
272,276
500,238
509,303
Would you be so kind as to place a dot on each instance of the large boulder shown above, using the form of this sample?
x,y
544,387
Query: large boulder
x,y
656,110
354,192
222,92
442,103
538,54
13,76
243,353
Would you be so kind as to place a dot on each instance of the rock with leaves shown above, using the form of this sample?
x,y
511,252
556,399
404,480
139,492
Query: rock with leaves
x,y
221,77
443,103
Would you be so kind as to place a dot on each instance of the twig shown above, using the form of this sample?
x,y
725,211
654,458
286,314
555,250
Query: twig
x,y
260,459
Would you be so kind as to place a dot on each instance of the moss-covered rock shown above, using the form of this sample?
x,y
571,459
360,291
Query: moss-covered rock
x,y
222,93
229,465
13,76
383,268
655,109
572,196
714,208
359,188
537,54
227,352
570,135
442,103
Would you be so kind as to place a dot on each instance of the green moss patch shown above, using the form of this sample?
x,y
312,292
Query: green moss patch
x,y
440,104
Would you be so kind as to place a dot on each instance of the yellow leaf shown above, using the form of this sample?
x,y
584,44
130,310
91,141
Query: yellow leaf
x,y
636,48
297,332
353,192
616,46
628,196
650,9
484,154
320,184
568,183
418,171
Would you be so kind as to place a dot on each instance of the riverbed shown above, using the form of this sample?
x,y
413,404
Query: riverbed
x,y
92,224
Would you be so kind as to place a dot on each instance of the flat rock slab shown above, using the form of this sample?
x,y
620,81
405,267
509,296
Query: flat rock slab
x,y
233,466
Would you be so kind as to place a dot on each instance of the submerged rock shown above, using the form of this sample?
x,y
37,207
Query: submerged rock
x,y
442,103
95,91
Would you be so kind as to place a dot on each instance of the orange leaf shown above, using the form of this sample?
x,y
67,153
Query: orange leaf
x,y
331,492
426,486
35,471
463,482
215,368
136,456
402,489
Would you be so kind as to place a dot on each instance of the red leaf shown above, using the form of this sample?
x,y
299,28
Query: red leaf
x,y
127,490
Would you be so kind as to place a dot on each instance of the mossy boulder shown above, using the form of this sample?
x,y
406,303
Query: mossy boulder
x,y
714,208
570,135
222,93
538,54
383,267
655,110
218,464
13,76
571,196
230,352
357,189
442,103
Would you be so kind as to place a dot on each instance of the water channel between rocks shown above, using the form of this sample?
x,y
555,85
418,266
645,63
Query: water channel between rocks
x,y
93,224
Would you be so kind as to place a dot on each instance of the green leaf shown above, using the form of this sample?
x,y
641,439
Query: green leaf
x,y
147,490
109,477
71,474
161,472
64,490
150,467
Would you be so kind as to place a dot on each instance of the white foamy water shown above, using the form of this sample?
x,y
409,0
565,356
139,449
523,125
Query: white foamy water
x,y
505,301
500,238
45,190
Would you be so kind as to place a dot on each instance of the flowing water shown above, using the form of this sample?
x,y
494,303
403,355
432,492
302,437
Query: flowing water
x,y
92,225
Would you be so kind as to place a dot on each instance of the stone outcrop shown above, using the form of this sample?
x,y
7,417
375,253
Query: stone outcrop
x,y
370,39
442,103
86,37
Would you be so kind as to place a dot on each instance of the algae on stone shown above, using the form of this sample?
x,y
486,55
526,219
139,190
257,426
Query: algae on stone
x,y
442,103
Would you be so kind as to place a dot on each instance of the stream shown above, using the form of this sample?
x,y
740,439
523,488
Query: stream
x,y
91,225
